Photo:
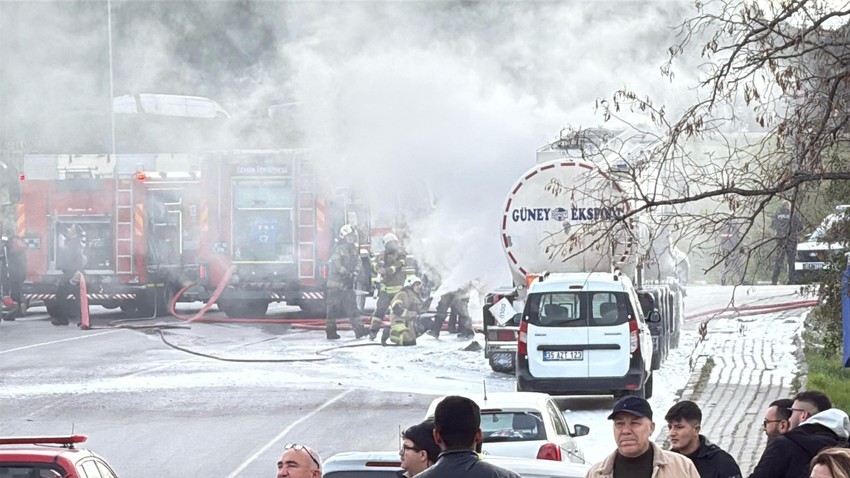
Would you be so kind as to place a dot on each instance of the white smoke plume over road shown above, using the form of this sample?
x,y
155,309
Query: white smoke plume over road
x,y
433,108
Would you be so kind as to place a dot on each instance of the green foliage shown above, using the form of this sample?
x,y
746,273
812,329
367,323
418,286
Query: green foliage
x,y
825,320
829,376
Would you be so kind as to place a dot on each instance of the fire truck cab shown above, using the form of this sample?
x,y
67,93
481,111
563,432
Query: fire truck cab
x,y
137,215
270,226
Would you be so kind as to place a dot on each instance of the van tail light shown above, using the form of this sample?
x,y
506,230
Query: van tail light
x,y
522,340
325,272
634,343
549,451
501,335
202,272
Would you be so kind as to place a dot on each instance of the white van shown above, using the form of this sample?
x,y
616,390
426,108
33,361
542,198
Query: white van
x,y
585,334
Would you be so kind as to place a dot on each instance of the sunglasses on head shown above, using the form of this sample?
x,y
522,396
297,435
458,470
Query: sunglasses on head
x,y
296,446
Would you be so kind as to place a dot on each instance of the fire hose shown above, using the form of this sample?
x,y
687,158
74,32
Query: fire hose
x,y
85,324
750,310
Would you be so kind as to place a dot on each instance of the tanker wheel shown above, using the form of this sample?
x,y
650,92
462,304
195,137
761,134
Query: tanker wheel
x,y
656,356
250,309
647,387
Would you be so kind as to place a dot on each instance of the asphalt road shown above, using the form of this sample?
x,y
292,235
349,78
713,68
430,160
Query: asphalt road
x,y
145,408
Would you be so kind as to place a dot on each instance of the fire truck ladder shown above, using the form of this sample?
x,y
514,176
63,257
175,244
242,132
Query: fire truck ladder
x,y
306,227
123,226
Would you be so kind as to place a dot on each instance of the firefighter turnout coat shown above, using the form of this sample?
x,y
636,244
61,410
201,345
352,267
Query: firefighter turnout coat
x,y
405,308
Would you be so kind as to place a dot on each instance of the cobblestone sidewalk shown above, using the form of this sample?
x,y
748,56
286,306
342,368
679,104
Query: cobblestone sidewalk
x,y
742,365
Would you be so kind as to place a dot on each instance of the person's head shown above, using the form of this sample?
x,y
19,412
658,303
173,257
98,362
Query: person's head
x,y
414,283
633,425
457,423
299,461
807,404
777,418
346,233
831,463
390,241
418,448
684,421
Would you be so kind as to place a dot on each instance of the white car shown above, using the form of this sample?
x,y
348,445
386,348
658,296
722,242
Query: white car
x,y
386,464
525,425
585,334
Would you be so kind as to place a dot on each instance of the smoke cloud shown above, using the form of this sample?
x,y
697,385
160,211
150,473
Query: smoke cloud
x,y
431,109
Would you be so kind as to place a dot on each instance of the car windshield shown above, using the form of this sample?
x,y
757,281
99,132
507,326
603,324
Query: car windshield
x,y
518,425
29,471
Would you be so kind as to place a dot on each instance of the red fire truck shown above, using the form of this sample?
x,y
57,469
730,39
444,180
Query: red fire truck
x,y
272,221
138,215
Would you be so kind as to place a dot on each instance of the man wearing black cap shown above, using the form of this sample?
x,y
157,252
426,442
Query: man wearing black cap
x,y
636,456
418,449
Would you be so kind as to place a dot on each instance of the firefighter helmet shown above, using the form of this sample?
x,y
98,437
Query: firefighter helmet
x,y
411,281
346,230
389,237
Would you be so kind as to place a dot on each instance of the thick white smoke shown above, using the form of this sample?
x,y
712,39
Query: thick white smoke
x,y
436,108
432,108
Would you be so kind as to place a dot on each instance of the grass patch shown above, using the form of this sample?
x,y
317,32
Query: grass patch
x,y
828,375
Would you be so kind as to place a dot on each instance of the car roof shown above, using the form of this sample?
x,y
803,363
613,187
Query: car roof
x,y
389,460
504,400
593,281
43,449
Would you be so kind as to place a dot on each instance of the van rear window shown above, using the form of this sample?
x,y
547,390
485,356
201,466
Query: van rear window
x,y
578,309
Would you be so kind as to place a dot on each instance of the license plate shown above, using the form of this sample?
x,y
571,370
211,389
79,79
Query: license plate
x,y
561,355
810,266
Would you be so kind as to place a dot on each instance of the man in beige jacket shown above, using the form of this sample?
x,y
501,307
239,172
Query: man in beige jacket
x,y
636,456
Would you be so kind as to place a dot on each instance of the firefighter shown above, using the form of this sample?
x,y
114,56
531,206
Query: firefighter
x,y
390,266
405,307
458,301
71,260
16,272
345,267
787,225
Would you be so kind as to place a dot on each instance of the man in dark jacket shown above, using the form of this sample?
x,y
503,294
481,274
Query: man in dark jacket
x,y
684,420
787,225
789,455
457,429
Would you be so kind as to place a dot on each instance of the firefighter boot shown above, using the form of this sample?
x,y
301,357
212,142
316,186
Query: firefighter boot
x,y
359,329
374,328
385,335
330,330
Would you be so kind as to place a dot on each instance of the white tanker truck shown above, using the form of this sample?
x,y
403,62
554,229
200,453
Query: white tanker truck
x,y
582,316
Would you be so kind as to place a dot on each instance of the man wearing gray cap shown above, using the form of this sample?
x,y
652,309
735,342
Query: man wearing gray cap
x,y
636,456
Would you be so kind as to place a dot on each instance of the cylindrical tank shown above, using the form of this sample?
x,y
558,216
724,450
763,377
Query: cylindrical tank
x,y
566,215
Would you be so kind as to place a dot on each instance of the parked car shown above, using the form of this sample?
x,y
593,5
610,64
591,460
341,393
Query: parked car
x,y
386,464
525,425
50,457
815,255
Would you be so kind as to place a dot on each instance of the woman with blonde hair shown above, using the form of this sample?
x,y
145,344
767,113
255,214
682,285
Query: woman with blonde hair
x,y
831,463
